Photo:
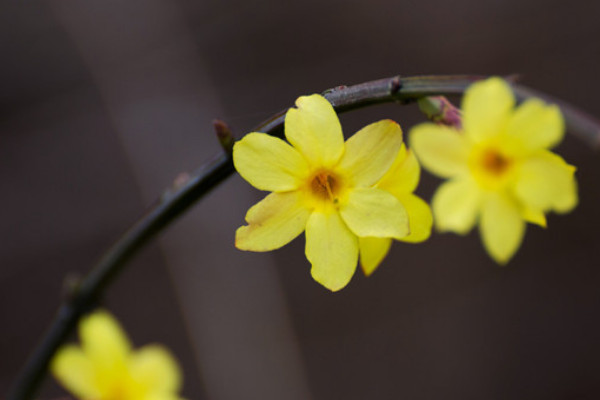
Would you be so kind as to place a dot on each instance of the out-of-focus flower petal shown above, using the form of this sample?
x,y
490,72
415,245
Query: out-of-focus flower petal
x,y
75,372
105,343
372,252
441,149
502,227
533,216
546,182
487,106
456,205
106,368
154,367
536,125
420,218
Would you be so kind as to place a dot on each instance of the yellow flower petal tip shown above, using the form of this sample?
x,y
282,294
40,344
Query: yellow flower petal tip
x,y
106,368
334,190
372,252
501,171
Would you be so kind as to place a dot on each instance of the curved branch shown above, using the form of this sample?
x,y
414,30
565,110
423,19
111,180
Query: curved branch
x,y
178,199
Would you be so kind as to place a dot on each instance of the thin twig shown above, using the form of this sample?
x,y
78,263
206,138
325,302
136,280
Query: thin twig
x,y
179,198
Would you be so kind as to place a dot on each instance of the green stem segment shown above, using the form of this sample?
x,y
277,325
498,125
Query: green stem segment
x,y
177,200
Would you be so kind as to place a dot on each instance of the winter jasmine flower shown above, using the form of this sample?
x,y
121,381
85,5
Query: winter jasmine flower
x,y
500,171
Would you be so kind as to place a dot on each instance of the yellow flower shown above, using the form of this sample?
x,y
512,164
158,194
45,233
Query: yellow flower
x,y
106,368
501,172
323,185
400,180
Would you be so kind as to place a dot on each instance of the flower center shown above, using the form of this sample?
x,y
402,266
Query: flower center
x,y
118,392
494,162
325,186
491,167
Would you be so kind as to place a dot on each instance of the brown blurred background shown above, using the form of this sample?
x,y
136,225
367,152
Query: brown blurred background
x,y
104,103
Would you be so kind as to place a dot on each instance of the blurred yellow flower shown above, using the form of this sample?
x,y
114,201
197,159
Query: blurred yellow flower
x,y
501,173
106,368
400,180
323,185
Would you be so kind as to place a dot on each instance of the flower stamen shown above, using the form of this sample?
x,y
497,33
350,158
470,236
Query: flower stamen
x,y
325,186
494,162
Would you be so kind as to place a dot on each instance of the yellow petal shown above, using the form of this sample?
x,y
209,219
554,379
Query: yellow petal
x,y
374,212
533,216
273,222
537,125
162,396
546,182
314,129
420,218
440,149
155,370
403,176
456,206
106,345
502,227
372,252
76,373
487,106
331,249
370,152
269,163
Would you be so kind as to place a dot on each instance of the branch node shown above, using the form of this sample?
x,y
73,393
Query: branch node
x,y
178,183
71,286
396,85
224,135
334,89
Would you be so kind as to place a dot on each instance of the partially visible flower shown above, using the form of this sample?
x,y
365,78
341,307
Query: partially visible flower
x,y
106,368
401,180
501,173
323,185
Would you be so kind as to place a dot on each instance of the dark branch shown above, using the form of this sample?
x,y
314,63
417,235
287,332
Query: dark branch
x,y
178,199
